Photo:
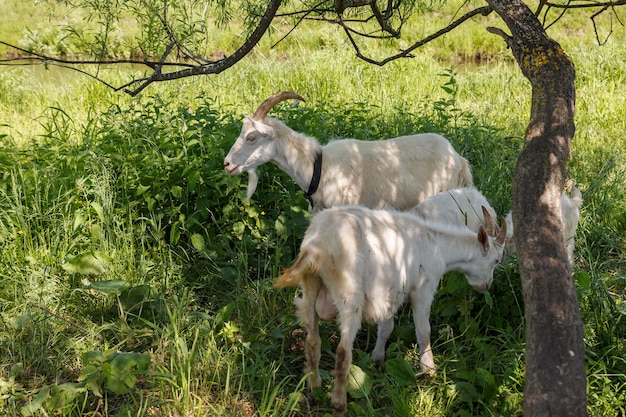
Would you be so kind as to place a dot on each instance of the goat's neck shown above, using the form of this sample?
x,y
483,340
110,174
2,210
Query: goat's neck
x,y
295,154
458,249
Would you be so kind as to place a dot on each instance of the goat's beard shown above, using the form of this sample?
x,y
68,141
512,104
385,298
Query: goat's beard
x,y
253,180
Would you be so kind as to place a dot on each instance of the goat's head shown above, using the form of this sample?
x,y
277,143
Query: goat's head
x,y
480,272
255,144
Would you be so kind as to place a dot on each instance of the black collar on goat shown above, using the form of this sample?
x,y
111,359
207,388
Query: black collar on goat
x,y
315,181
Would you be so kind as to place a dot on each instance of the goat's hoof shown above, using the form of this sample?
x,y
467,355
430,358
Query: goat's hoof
x,y
339,407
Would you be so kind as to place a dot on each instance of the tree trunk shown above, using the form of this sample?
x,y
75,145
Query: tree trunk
x,y
555,366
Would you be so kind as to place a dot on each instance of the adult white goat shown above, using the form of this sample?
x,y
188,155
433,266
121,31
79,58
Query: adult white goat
x,y
394,173
570,214
368,263
465,206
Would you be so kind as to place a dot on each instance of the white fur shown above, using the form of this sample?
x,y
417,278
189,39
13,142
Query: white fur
x,y
394,173
570,214
461,204
368,263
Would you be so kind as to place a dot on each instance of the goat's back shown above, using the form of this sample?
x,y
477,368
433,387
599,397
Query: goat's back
x,y
460,204
394,173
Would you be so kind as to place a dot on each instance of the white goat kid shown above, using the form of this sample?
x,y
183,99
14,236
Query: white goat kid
x,y
570,214
368,263
395,173
465,206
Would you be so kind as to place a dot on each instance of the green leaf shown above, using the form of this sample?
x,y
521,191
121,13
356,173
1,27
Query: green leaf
x,y
197,240
64,394
141,189
94,262
224,315
110,287
123,370
175,233
177,191
401,371
18,323
467,392
238,229
32,407
359,383
99,210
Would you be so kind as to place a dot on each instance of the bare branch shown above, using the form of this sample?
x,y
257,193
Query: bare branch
x,y
406,53
134,87
585,4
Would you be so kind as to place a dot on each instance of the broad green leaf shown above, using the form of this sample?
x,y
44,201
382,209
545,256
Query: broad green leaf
x,y
79,219
177,191
18,323
238,229
224,315
175,233
141,189
110,287
197,240
359,384
401,371
467,392
64,394
94,262
33,406
99,210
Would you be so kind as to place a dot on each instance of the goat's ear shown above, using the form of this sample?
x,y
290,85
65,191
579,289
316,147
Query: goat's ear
x,y
260,126
500,240
483,239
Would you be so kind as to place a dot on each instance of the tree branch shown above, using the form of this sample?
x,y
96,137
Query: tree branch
x,y
134,87
485,10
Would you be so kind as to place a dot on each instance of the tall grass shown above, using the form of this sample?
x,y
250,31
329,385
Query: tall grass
x,y
136,279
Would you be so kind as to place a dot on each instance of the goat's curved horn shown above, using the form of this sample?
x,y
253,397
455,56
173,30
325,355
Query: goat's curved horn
x,y
267,105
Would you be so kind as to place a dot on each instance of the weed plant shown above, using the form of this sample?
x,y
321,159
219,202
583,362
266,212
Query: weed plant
x,y
136,280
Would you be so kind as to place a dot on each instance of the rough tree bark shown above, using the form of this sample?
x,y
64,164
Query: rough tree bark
x,y
555,366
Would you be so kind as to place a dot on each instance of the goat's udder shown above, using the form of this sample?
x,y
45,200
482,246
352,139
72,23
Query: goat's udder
x,y
324,306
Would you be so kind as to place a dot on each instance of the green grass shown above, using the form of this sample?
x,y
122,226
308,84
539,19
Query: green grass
x,y
122,240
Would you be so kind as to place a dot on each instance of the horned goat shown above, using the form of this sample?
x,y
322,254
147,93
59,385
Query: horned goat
x,y
394,173
570,214
368,263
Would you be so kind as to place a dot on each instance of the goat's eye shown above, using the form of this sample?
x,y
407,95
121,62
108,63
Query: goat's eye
x,y
251,137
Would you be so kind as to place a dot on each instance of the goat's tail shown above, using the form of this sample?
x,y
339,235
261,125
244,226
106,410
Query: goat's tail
x,y
465,178
303,268
577,196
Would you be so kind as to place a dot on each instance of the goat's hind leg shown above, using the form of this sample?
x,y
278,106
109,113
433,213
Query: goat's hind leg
x,y
312,342
349,323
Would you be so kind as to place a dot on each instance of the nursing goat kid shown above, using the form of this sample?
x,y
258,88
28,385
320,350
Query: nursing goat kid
x,y
394,173
570,214
368,263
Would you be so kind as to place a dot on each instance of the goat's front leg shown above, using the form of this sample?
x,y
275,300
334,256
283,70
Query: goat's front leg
x,y
382,336
421,303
